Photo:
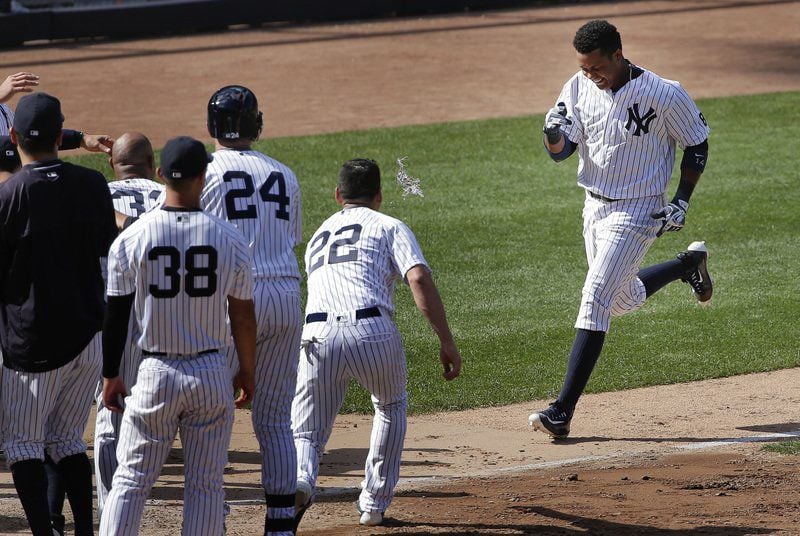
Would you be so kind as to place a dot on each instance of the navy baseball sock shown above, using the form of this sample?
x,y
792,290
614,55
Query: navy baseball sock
x,y
55,493
280,514
659,275
31,483
585,351
76,475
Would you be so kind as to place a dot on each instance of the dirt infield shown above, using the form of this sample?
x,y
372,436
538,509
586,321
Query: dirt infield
x,y
682,459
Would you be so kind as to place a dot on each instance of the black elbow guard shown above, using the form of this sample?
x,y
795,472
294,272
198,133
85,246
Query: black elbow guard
x,y
695,157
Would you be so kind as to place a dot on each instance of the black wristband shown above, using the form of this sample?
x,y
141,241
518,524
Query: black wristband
x,y
70,139
684,191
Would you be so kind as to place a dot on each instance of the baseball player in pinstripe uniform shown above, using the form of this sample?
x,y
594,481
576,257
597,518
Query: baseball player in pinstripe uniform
x,y
261,197
133,193
353,262
183,268
625,123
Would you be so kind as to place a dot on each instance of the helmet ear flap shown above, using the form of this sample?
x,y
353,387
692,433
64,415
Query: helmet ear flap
x,y
259,124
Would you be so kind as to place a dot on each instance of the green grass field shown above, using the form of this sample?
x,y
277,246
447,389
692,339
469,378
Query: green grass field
x,y
500,224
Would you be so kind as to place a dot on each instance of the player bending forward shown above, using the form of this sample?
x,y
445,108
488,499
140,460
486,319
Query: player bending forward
x,y
625,122
353,262
183,268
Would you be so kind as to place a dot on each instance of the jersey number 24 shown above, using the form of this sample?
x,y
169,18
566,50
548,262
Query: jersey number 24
x,y
246,192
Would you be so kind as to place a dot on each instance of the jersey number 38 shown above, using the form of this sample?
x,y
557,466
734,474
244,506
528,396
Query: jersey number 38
x,y
199,278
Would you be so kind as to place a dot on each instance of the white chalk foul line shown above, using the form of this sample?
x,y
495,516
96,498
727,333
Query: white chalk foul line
x,y
411,482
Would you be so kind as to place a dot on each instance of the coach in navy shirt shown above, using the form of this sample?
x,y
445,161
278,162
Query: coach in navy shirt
x,y
56,222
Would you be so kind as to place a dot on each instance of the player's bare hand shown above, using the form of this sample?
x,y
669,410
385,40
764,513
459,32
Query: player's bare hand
x,y
245,383
97,143
672,216
451,360
22,82
114,392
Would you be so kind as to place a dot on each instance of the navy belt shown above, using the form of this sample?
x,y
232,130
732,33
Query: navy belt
x,y
165,354
369,312
601,197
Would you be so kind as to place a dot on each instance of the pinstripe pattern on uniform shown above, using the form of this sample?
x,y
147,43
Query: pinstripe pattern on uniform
x,y
617,236
183,324
237,183
132,197
6,119
388,250
55,423
614,161
371,352
353,262
195,396
261,197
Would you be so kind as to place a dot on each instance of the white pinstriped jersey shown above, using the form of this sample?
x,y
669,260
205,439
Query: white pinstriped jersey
x,y
134,197
261,197
182,265
6,119
626,140
354,259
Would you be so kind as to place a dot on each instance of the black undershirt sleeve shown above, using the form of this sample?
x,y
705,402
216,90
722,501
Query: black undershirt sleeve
x,y
115,332
70,139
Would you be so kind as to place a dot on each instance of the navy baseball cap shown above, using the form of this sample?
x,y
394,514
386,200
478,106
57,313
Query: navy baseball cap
x,y
9,156
38,116
183,158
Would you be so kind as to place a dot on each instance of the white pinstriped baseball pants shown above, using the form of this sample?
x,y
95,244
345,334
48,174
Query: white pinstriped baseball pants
x,y
107,423
370,351
49,410
279,319
617,236
193,395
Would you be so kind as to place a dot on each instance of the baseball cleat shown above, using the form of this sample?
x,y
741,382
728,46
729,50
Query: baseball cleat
x,y
302,500
696,255
369,519
553,421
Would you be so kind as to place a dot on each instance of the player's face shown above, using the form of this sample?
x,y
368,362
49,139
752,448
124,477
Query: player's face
x,y
600,69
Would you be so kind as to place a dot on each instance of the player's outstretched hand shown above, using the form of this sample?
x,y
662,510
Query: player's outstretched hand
x,y
22,82
114,392
451,360
672,216
97,143
245,383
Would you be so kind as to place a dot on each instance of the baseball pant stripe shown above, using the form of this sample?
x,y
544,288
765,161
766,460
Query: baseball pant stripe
x,y
49,408
617,236
193,395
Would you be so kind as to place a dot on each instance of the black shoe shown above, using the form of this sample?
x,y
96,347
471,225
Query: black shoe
x,y
553,421
696,256
57,522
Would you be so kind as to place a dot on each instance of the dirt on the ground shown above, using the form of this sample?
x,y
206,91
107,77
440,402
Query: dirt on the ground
x,y
681,459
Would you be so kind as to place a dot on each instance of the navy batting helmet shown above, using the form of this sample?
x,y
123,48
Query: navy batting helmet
x,y
233,114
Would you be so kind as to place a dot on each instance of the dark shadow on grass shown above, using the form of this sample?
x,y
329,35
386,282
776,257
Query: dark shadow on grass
x,y
582,526
525,21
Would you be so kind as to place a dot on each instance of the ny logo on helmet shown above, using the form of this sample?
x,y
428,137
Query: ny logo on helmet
x,y
642,122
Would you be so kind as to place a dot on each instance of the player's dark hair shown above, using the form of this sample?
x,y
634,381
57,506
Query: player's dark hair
x,y
597,34
36,146
359,179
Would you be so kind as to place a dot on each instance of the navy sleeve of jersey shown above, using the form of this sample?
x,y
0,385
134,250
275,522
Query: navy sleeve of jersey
x,y
115,332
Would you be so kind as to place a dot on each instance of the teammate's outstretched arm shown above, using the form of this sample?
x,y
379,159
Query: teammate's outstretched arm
x,y
428,301
242,314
